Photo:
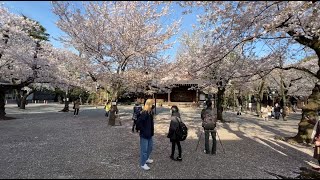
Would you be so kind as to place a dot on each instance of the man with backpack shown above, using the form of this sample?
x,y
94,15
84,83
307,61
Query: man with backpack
x,y
209,121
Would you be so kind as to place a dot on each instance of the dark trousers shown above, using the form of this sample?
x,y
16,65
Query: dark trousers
x,y
76,111
133,125
214,141
107,113
173,148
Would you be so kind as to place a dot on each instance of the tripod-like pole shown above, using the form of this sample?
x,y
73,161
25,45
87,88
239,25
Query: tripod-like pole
x,y
220,143
198,141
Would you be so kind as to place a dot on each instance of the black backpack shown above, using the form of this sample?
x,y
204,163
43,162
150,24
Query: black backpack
x,y
181,131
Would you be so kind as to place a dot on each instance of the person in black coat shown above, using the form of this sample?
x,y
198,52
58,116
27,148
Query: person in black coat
x,y
136,113
145,124
277,112
174,124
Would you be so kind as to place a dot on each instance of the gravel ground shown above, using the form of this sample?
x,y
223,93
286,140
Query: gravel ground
x,y
45,143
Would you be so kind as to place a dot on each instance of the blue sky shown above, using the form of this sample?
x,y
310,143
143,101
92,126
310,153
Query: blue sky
x,y
41,11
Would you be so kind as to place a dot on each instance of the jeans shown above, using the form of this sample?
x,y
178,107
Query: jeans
x,y
145,149
173,148
214,141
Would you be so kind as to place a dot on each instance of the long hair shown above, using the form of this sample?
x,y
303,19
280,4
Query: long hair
x,y
175,111
148,105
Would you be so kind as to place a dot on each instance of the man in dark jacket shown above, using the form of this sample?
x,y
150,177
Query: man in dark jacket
x,y
136,113
277,109
174,125
209,119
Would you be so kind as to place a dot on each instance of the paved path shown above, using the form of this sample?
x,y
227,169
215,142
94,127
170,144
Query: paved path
x,y
44,143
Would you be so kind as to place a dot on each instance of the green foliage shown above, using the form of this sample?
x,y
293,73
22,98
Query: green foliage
x,y
38,33
77,92
92,97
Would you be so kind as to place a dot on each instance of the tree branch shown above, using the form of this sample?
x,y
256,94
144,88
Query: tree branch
x,y
298,68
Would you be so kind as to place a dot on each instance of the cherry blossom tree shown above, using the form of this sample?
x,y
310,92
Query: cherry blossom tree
x,y
236,23
25,61
234,67
17,51
116,37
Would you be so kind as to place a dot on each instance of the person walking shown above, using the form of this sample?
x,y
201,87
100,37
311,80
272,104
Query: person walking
x,y
174,125
136,113
209,120
76,107
145,124
277,109
107,108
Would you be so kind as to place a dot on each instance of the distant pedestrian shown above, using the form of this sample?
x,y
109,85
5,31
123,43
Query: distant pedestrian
x,y
277,110
264,112
209,121
136,113
239,106
174,125
107,108
76,107
272,112
239,110
146,126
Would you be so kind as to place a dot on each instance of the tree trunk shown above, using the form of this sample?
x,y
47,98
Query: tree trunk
x,y
220,103
234,100
18,97
66,102
260,96
116,94
284,93
23,103
24,99
2,104
310,109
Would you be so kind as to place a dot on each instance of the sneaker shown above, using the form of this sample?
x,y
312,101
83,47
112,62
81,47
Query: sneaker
x,y
179,159
205,152
149,161
145,167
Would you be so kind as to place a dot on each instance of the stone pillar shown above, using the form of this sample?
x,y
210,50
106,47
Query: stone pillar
x,y
197,96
